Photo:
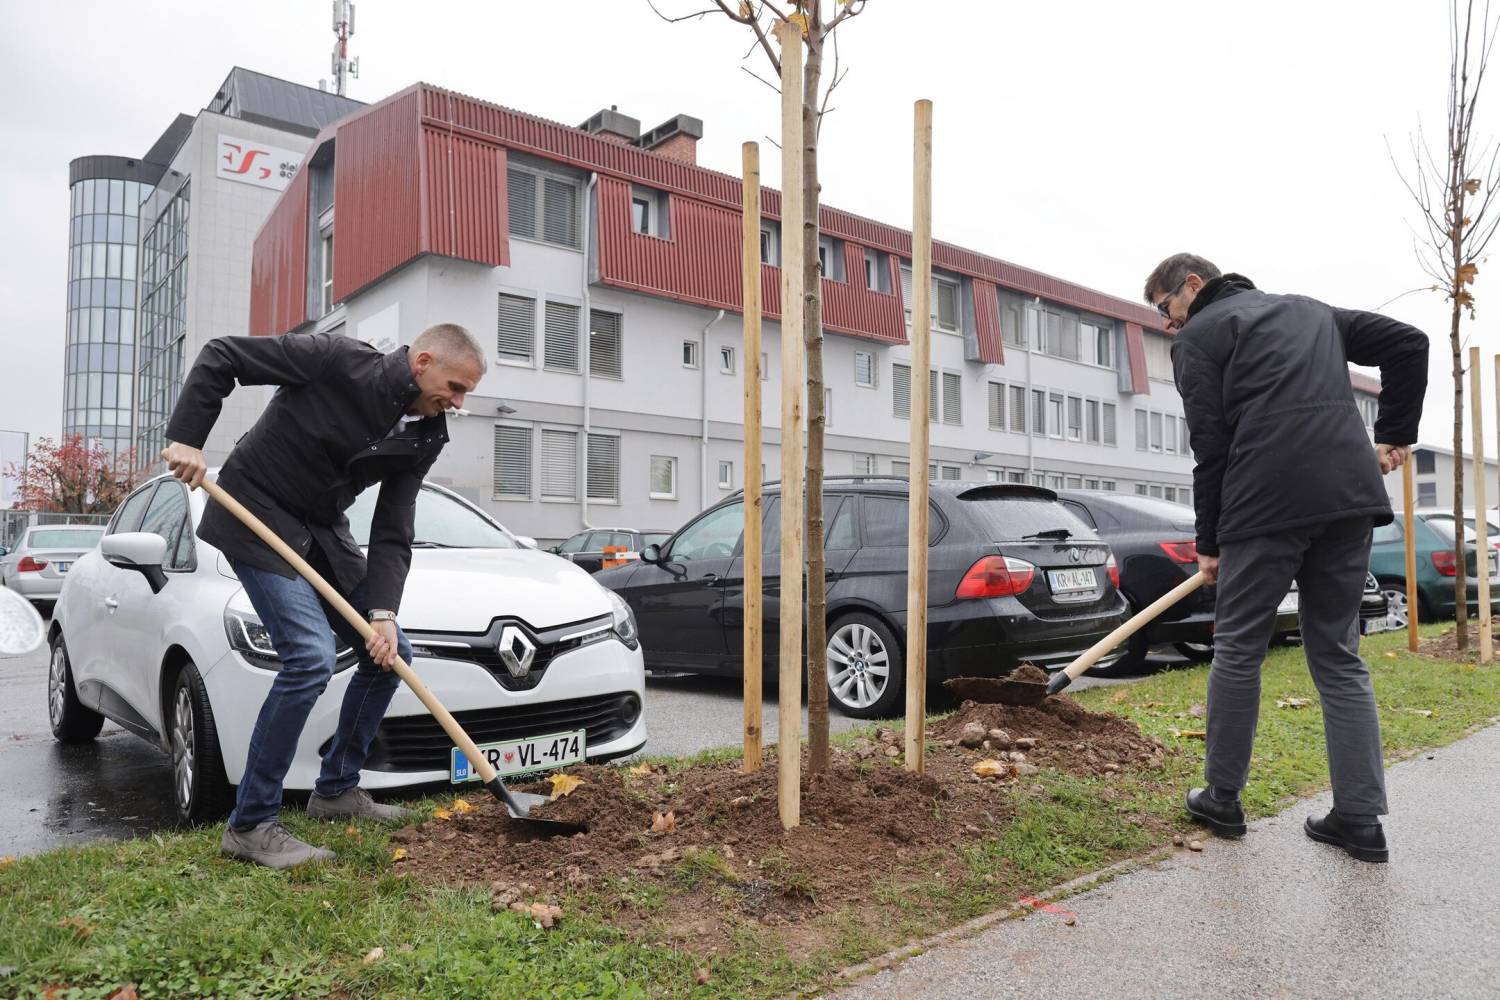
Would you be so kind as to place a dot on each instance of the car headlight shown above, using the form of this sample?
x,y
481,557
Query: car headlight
x,y
624,620
249,637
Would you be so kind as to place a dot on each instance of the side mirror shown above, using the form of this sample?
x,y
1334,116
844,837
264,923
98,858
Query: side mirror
x,y
651,554
4,551
526,541
142,551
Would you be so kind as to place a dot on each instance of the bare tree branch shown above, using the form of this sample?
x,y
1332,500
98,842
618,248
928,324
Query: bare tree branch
x,y
684,17
768,83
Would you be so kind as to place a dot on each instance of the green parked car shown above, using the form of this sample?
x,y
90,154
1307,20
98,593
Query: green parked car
x,y
1436,571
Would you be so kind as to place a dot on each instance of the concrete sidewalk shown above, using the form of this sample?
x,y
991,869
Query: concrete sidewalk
x,y
1273,915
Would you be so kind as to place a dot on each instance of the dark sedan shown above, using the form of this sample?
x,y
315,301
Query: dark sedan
x,y
1153,542
1013,577
587,549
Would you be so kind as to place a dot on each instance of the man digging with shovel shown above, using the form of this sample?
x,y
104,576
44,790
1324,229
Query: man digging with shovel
x,y
1287,487
344,418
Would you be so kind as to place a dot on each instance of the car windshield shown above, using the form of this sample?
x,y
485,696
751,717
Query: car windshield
x,y
441,522
65,538
654,538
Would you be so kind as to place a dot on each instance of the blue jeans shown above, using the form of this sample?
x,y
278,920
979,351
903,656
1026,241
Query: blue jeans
x,y
302,627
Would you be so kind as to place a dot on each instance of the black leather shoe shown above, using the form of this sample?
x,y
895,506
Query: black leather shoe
x,y
1365,842
1226,819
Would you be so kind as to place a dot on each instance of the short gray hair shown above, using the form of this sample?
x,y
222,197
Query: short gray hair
x,y
449,341
1174,271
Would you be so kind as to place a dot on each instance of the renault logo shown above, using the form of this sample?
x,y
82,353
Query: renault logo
x,y
516,651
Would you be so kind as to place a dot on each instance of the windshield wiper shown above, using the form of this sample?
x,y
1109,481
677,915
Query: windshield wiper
x,y
1058,533
424,544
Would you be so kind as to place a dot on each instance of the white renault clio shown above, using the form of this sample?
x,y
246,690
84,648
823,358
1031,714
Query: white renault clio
x,y
153,631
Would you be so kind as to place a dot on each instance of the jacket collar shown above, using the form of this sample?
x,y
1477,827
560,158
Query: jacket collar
x,y
395,378
1221,287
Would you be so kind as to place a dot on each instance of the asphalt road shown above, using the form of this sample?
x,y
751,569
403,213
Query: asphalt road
x,y
119,786
1272,915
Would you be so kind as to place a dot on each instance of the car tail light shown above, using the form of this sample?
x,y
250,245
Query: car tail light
x,y
1445,562
996,576
1183,552
30,565
1114,570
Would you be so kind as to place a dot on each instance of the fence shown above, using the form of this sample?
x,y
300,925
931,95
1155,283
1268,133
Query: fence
x,y
13,523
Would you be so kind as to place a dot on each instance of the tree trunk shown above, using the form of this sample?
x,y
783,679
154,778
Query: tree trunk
x,y
817,417
1461,578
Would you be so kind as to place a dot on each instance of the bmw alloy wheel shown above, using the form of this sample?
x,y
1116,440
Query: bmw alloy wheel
x,y
57,685
858,665
183,748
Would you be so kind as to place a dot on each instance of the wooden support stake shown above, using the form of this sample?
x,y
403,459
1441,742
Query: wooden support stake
x,y
750,259
916,535
793,364
1481,510
1409,532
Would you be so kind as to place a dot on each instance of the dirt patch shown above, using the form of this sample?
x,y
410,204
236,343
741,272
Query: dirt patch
x,y
1445,646
693,855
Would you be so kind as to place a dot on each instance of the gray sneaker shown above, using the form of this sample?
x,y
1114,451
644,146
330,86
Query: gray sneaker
x,y
353,804
270,844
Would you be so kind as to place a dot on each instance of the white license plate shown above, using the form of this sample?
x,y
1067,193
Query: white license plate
x,y
523,756
1288,605
1071,581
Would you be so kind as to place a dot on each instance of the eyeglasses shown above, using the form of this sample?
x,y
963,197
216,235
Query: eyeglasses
x,y
1161,306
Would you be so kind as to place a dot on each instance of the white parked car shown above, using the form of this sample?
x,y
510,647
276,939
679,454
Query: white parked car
x,y
153,631
38,565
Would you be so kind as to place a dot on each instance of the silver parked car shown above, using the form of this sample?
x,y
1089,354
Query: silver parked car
x,y
38,565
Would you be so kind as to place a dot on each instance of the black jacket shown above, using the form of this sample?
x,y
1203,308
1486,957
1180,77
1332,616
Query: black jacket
x,y
324,437
1278,440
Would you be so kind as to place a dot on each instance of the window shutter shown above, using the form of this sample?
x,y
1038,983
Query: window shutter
x,y
661,476
560,337
1140,430
997,406
906,290
952,473
604,467
1018,409
953,400
864,368
932,397
901,391
517,327
560,464
521,198
1071,348
1109,424
512,462
604,345
560,212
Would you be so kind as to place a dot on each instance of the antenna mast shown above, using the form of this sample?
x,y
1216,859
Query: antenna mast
x,y
343,66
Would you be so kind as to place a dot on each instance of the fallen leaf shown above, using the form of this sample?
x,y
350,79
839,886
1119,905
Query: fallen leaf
x,y
7,861
1119,696
374,955
992,769
462,806
563,784
1391,655
81,928
399,854
663,822
639,770
1196,711
1425,713
126,992
1293,702
1190,734
441,814
352,831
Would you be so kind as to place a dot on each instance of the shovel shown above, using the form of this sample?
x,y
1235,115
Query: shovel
x,y
518,805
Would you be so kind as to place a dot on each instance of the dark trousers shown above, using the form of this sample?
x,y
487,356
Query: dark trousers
x,y
303,628
1329,563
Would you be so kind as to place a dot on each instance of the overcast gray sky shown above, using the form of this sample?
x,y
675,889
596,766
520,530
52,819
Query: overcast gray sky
x,y
1087,139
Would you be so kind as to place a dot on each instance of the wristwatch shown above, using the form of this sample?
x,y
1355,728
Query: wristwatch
x,y
382,616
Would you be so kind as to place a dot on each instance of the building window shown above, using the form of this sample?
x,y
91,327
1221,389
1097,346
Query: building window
x,y
605,345
1055,415
1054,481
726,360
770,243
1141,489
1427,495
1426,462
1015,476
1158,357
1155,490
1156,432
901,391
1140,430
1091,421
325,271
726,475
1091,484
1075,482
512,471
1169,493
1109,424
1108,484
649,214
1369,409
663,477
997,406
877,271
690,354
603,468
953,400
559,465
542,207
1075,419
899,468
945,304
1018,409
831,258
765,367
517,328
827,407
864,465
864,369
1039,412
560,337
1185,495
1100,336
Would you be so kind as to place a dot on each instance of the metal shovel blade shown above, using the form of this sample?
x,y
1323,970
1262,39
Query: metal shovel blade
x,y
518,806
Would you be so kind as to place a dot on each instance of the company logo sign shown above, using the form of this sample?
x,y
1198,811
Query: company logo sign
x,y
256,163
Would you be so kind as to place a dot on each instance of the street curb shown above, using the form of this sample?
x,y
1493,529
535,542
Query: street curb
x,y
847,976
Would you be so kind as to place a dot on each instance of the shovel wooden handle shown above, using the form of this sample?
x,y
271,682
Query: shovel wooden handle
x,y
450,725
1141,619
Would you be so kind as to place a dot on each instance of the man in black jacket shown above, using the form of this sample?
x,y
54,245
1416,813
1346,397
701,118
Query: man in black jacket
x,y
1287,487
344,418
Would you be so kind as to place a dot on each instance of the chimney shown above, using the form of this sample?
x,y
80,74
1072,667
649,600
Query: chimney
x,y
613,126
676,138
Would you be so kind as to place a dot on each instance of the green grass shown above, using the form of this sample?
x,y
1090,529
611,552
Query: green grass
x,y
166,913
